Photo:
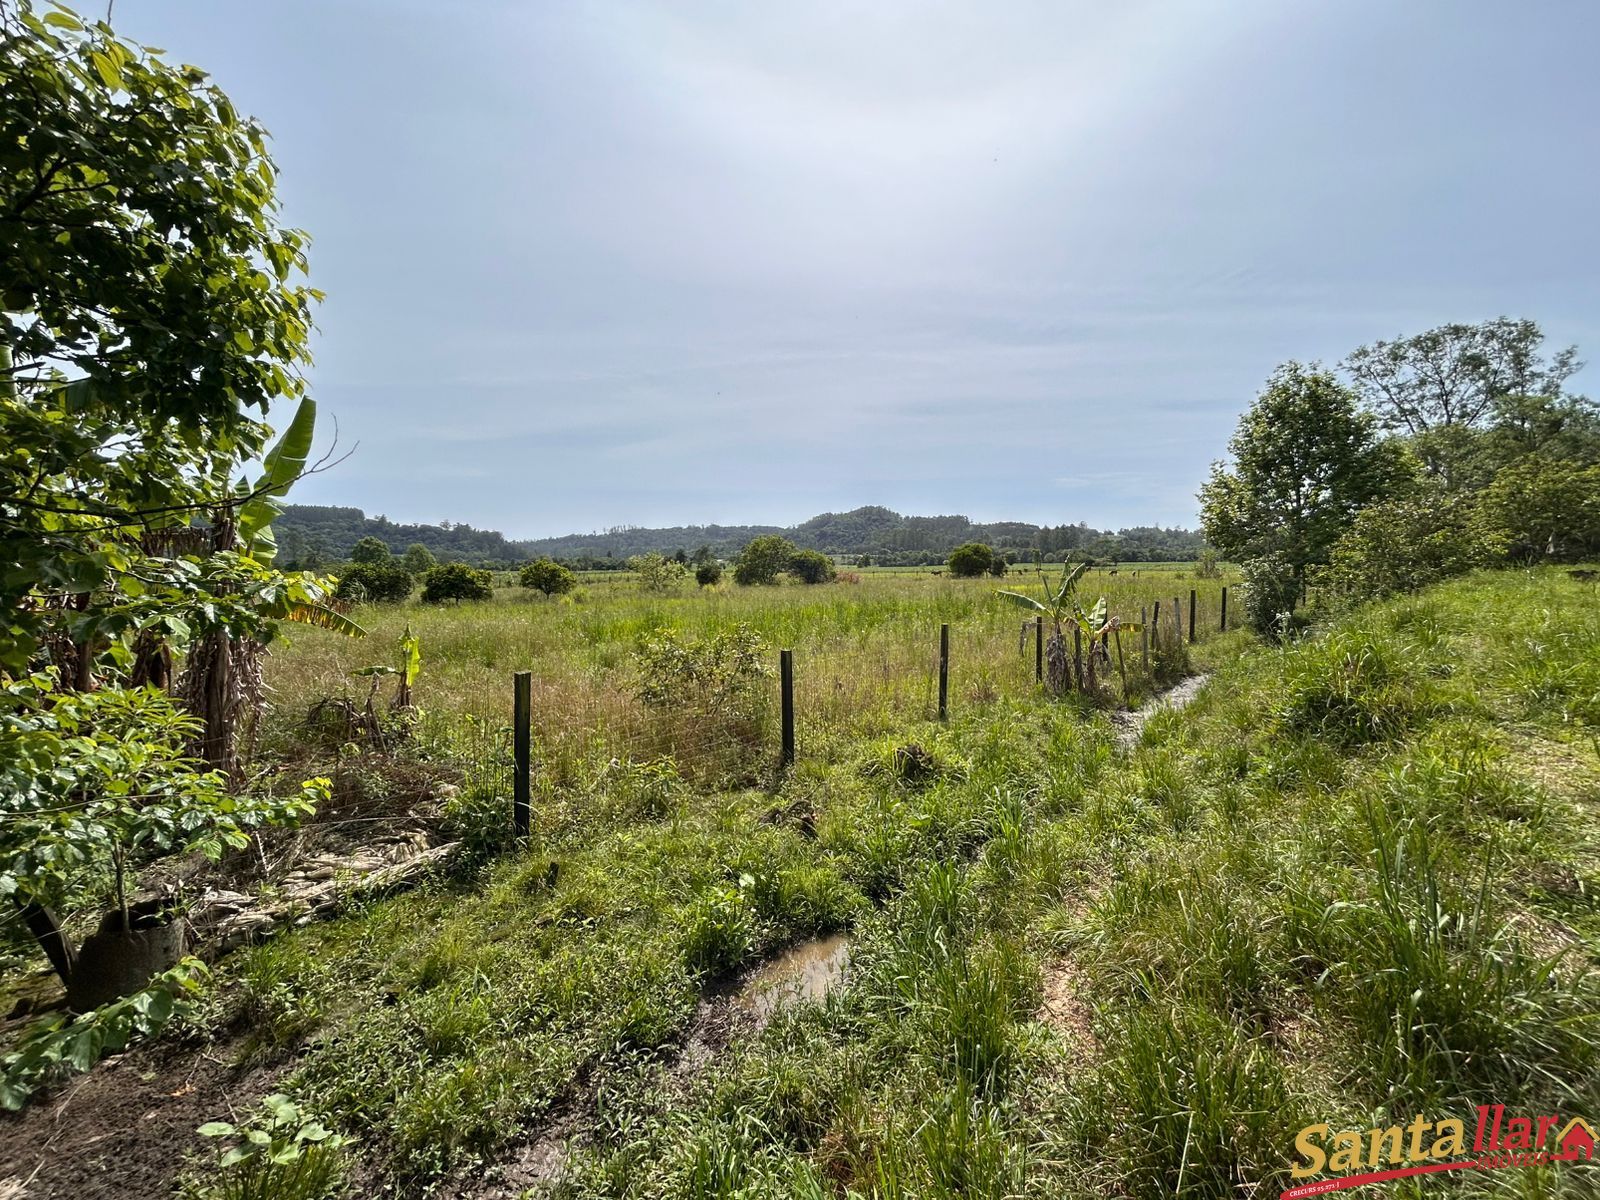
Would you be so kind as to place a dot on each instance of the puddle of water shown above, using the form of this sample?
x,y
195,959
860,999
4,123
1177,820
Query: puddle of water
x,y
806,972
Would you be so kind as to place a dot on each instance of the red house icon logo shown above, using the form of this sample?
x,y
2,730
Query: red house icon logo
x,y
1576,1141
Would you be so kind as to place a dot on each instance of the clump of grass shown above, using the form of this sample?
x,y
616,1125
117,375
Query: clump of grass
x,y
1352,687
1189,1104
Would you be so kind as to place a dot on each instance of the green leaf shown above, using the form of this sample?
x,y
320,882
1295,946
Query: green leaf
x,y
283,465
1022,601
62,20
216,1129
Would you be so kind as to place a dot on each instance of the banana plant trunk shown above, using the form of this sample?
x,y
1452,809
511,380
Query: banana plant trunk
x,y
1057,670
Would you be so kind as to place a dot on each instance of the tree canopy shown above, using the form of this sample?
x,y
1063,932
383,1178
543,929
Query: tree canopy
x,y
1306,459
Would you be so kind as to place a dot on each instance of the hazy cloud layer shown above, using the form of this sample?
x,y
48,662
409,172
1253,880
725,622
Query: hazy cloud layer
x,y
672,263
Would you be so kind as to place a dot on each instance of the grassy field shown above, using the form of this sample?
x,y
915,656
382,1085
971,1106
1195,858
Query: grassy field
x,y
1355,881
866,660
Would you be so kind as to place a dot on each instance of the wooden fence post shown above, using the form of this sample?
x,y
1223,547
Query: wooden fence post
x,y
1177,624
1038,649
1224,609
1144,636
521,724
1191,616
786,686
944,672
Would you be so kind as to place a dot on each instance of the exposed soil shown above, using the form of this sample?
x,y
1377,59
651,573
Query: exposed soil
x,y
1063,1008
121,1132
1131,724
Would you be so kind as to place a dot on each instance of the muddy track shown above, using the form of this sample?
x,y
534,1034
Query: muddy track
x,y
1130,725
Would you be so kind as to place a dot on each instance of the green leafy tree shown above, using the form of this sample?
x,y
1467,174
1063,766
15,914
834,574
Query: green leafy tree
x,y
656,572
152,313
452,582
375,583
419,560
811,566
1306,459
970,560
708,574
370,550
551,578
763,559
1465,396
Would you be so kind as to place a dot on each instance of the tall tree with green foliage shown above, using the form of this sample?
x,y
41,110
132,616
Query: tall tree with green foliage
x,y
1446,387
1306,459
151,313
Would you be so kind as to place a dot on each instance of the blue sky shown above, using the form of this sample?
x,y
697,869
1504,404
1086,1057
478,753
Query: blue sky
x,y
607,263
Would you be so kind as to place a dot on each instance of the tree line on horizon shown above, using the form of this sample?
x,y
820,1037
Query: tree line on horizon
x,y
312,536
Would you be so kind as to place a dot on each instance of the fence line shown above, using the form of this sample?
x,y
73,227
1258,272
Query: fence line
x,y
845,685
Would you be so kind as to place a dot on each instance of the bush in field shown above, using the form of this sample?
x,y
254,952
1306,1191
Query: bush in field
x,y
999,566
708,574
551,578
1403,545
370,550
375,583
656,572
1206,567
419,560
811,566
707,692
971,560
763,559
456,581
1271,591
1544,508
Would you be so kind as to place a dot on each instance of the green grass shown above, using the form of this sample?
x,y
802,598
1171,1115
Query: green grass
x,y
1354,881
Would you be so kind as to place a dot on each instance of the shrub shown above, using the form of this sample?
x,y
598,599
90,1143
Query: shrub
x,y
656,572
375,583
708,574
1207,567
455,581
370,550
1544,508
762,559
1270,593
971,560
811,566
551,578
706,693
1401,545
999,566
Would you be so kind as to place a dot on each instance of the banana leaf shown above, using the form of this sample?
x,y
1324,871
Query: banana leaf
x,y
1022,601
283,465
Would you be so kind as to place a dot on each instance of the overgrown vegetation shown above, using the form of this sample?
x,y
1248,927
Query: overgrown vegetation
x,y
1336,888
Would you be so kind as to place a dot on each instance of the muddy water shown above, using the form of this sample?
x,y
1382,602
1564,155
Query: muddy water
x,y
806,972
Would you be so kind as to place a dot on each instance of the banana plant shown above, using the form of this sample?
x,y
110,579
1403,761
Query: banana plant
x,y
281,467
1061,605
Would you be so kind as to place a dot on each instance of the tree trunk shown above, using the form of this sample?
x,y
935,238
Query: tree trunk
x,y
42,923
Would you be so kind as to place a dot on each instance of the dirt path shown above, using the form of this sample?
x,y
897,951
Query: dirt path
x,y
122,1130
1131,724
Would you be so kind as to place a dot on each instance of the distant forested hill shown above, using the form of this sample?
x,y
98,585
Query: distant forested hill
x,y
310,534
